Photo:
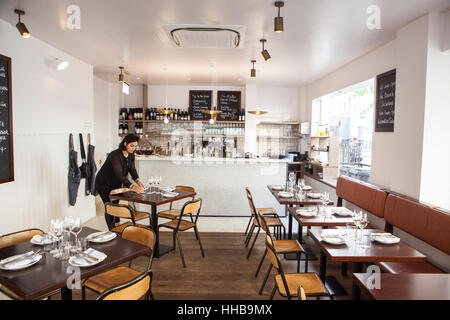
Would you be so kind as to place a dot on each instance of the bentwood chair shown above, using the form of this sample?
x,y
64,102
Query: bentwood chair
x,y
281,247
125,283
174,213
16,238
138,215
122,211
179,224
288,283
274,222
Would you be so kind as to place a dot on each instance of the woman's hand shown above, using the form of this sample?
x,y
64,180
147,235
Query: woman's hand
x,y
140,184
137,189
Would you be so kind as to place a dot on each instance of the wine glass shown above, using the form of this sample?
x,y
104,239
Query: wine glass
x,y
356,217
68,221
56,230
150,183
76,228
362,223
292,180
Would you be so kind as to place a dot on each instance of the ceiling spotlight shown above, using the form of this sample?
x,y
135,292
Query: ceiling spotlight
x,y
61,64
20,26
211,121
264,52
253,71
278,25
121,74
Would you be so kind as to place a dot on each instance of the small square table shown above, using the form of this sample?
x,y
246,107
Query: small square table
x,y
50,274
405,286
153,200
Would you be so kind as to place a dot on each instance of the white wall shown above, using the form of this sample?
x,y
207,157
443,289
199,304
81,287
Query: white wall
x,y
47,106
435,180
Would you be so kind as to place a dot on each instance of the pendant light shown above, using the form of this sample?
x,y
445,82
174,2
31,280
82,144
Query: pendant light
x,y
253,71
278,25
264,52
20,26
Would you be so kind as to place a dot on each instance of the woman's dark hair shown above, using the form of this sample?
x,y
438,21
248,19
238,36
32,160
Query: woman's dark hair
x,y
128,139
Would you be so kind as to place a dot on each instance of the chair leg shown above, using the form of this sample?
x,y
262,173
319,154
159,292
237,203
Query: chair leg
x,y
83,293
150,294
181,250
273,291
298,262
265,280
306,262
260,263
253,244
249,236
199,242
248,225
173,240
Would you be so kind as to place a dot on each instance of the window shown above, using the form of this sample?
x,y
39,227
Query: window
x,y
349,114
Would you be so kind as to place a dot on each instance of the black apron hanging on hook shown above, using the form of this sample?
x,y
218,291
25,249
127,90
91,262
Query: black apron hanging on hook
x,y
84,168
74,173
90,181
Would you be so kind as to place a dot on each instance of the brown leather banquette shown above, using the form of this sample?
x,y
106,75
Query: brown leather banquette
x,y
429,224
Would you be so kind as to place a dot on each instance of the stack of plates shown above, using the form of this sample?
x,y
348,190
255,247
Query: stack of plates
x,y
385,238
277,188
41,240
167,189
306,188
307,212
101,237
88,258
314,195
169,194
341,211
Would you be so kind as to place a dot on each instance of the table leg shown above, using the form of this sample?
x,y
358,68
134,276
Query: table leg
x,y
356,291
290,225
323,266
155,230
66,293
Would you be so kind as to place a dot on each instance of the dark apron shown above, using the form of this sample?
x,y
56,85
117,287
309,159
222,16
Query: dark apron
x,y
90,181
74,175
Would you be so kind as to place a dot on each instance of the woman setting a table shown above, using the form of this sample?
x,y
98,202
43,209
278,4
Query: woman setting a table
x,y
113,173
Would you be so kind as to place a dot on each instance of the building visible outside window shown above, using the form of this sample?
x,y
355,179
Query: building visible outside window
x,y
349,113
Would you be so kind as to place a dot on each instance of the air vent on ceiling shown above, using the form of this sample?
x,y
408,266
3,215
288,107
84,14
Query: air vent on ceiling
x,y
203,36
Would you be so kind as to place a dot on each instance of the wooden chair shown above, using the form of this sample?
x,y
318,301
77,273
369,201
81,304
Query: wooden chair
x,y
122,211
138,215
281,247
16,238
174,213
179,224
274,222
287,284
125,283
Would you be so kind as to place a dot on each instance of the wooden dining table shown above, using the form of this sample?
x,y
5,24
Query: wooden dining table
x,y
50,274
352,252
405,286
290,202
154,200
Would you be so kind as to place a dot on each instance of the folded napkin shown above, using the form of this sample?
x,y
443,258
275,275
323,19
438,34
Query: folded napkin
x,y
82,260
101,237
41,239
168,189
169,194
307,212
20,260
333,234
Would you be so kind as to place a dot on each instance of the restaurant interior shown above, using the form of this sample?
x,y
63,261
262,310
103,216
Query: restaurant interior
x,y
271,150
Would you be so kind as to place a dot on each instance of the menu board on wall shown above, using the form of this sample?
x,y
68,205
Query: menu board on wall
x,y
200,100
229,102
6,130
385,102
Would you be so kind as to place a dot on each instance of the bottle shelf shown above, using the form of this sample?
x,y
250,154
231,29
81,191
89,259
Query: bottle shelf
x,y
280,137
184,121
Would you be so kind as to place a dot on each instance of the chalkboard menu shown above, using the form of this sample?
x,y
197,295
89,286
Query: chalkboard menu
x,y
229,102
385,102
6,129
200,101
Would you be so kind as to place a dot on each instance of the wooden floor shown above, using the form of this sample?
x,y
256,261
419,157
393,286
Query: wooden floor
x,y
223,274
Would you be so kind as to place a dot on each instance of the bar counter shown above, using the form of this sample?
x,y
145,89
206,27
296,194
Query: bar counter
x,y
220,182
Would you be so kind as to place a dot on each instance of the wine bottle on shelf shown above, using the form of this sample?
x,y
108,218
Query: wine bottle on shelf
x,y
120,129
125,128
188,115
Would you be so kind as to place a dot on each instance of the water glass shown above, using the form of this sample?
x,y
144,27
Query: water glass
x,y
351,230
82,244
365,240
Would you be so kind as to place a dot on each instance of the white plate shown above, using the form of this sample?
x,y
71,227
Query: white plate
x,y
333,240
277,188
32,260
82,263
314,195
35,239
387,239
168,189
102,239
285,194
306,188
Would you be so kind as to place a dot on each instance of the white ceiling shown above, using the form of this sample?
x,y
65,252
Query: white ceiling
x,y
320,36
